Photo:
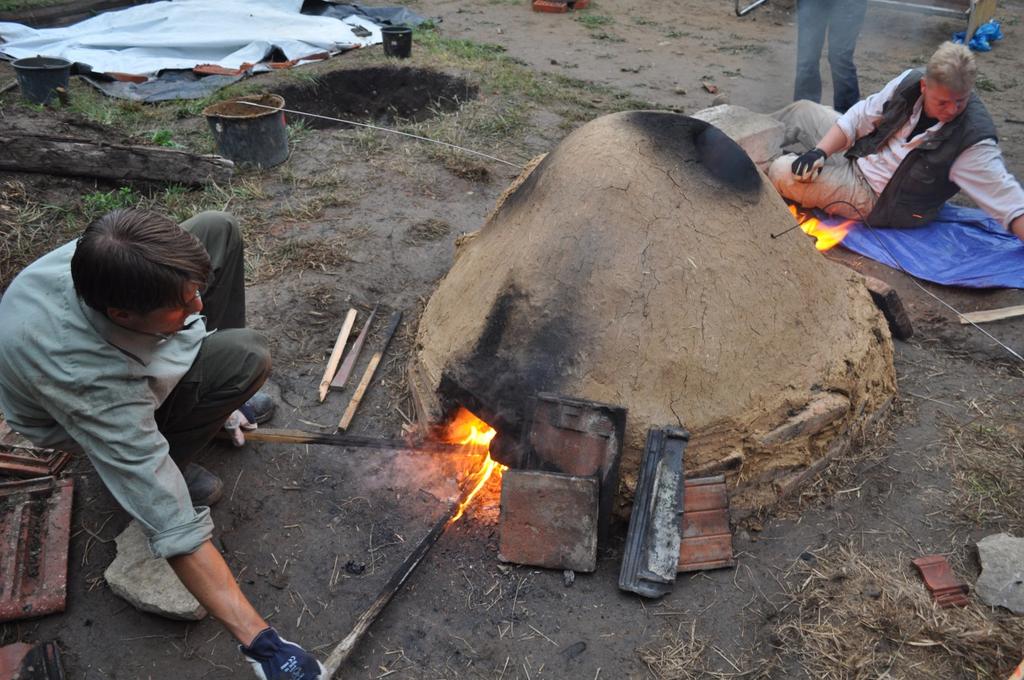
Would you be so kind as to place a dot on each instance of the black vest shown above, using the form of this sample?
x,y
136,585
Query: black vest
x,y
921,183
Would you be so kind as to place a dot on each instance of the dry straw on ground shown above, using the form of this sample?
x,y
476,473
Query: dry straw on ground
x,y
854,617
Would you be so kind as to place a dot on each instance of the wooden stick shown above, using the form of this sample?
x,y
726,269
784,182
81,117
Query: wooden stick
x,y
344,648
364,384
353,354
268,434
9,86
992,314
339,346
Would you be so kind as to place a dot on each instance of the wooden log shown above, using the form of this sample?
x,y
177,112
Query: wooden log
x,y
339,346
83,158
364,384
992,314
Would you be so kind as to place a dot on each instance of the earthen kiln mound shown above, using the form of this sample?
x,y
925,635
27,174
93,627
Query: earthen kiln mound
x,y
634,265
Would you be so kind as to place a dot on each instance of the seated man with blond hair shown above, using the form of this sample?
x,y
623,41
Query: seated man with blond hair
x,y
908,149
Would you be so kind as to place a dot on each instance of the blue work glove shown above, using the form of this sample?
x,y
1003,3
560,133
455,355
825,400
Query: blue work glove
x,y
274,658
807,165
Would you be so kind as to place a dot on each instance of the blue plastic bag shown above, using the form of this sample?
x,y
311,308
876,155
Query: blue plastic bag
x,y
987,33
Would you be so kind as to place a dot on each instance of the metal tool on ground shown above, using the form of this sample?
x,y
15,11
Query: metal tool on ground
x,y
344,648
364,384
349,363
652,542
339,346
343,440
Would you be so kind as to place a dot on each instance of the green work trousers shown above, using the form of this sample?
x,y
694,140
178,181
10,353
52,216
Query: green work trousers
x,y
232,363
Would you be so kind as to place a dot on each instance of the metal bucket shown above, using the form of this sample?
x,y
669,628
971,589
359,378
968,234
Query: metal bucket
x,y
39,77
254,136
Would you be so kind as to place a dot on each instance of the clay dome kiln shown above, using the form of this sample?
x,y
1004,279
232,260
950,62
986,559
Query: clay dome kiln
x,y
634,265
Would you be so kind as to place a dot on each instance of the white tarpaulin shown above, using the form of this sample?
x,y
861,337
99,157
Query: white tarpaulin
x,y
181,34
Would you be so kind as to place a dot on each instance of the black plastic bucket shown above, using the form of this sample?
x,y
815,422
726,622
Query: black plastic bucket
x,y
397,41
39,77
253,136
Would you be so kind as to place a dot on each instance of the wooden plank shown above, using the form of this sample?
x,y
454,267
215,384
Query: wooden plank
x,y
981,12
285,436
987,315
364,384
345,371
339,346
54,155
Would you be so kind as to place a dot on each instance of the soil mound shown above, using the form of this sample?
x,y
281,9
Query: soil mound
x,y
634,265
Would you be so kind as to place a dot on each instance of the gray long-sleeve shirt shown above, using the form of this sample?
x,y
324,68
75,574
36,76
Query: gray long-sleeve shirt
x,y
72,379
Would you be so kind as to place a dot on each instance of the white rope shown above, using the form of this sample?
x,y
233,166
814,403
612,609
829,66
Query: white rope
x,y
384,129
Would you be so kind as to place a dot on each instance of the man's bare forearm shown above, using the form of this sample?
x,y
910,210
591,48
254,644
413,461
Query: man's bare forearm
x,y
207,576
834,141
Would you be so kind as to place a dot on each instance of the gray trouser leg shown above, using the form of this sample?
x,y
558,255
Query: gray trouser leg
x,y
231,366
224,298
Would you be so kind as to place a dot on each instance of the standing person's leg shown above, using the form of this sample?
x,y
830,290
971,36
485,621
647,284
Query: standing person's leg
x,y
811,22
224,298
844,27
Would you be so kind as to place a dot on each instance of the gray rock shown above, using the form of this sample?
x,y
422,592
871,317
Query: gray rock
x,y
1001,583
148,583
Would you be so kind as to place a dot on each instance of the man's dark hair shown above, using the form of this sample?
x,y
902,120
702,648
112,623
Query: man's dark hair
x,y
138,261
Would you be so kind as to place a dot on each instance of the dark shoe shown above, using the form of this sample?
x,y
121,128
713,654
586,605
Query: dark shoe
x,y
259,409
204,487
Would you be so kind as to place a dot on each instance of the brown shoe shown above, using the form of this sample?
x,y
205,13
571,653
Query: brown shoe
x,y
204,487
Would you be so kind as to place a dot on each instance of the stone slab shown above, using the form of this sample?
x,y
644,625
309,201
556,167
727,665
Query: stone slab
x,y
148,583
549,520
760,135
1001,583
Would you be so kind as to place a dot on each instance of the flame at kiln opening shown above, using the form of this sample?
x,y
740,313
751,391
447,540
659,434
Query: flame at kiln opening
x,y
826,236
476,436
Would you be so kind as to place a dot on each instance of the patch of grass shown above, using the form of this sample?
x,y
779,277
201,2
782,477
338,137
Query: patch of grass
x,y
99,203
298,130
855,617
594,21
985,84
988,470
644,21
425,232
123,114
28,229
610,37
165,138
272,257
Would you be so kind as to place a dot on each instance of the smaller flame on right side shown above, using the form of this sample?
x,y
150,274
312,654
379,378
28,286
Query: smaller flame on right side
x,y
825,236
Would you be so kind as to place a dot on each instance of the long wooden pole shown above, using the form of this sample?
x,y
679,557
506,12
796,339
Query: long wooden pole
x,y
344,648
266,434
339,346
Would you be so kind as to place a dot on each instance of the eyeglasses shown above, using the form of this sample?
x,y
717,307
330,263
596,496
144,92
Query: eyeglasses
x,y
197,295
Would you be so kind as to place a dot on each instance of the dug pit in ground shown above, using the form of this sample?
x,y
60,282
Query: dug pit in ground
x,y
635,265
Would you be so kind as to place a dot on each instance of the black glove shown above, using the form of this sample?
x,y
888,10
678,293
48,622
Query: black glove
x,y
807,166
274,658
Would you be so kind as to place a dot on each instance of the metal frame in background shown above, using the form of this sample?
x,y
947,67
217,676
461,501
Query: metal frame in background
x,y
749,8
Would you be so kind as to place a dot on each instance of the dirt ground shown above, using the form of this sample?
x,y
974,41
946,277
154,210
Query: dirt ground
x,y
823,586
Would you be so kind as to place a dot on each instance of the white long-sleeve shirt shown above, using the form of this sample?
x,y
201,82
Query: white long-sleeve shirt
x,y
979,170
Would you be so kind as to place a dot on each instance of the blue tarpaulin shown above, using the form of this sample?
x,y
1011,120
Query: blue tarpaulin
x,y
961,247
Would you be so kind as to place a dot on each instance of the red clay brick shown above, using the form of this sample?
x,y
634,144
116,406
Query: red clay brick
x,y
548,520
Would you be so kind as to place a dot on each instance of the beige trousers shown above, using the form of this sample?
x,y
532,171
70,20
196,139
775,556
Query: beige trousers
x,y
840,189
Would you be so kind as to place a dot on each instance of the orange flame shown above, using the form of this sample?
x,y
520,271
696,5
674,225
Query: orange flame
x,y
476,435
826,236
